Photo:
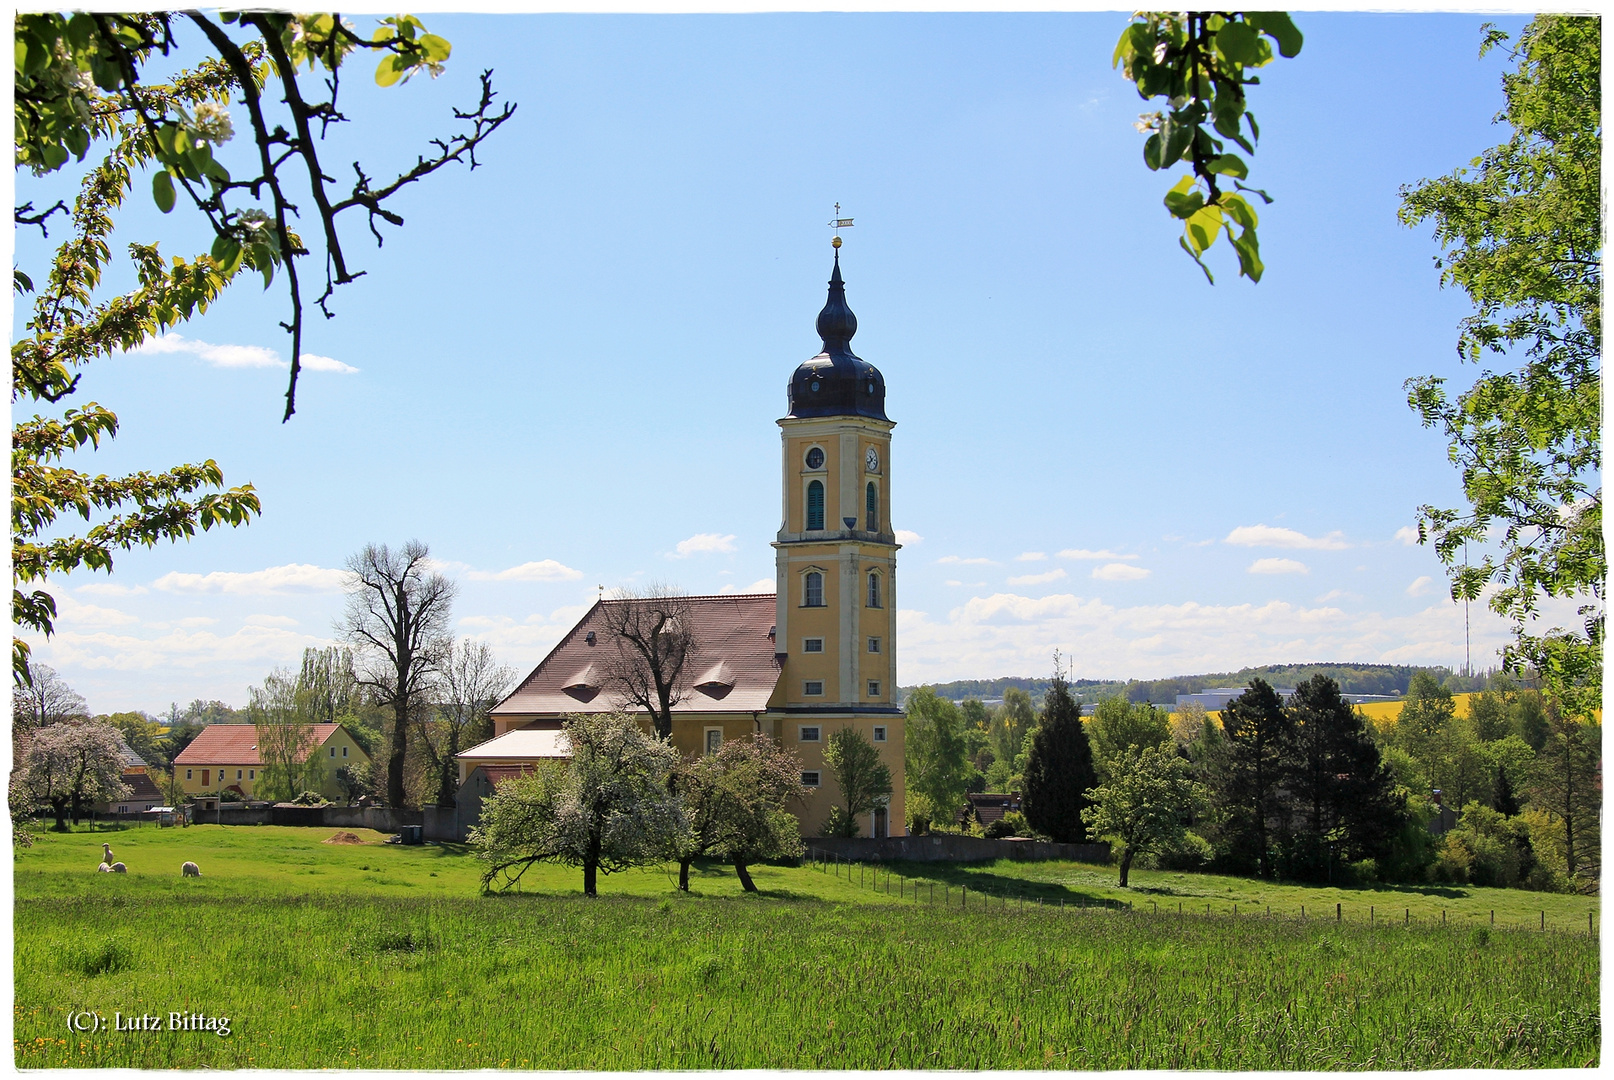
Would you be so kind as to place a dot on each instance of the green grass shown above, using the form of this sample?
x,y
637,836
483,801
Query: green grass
x,y
359,957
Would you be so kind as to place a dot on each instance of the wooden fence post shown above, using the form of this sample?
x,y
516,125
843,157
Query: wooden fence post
x,y
1339,916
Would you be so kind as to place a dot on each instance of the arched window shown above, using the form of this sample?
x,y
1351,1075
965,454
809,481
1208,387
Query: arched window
x,y
871,508
812,589
815,504
874,590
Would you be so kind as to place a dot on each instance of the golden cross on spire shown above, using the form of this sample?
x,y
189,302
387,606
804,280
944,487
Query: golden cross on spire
x,y
838,223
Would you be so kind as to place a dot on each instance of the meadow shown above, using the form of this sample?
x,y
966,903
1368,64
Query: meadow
x,y
383,956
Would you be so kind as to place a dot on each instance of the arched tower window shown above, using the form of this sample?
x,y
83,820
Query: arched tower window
x,y
871,508
812,589
815,504
874,590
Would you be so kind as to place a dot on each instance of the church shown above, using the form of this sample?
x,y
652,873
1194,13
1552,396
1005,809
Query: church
x,y
817,655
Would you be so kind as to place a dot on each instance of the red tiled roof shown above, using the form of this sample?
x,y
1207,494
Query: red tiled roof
x,y
735,666
237,744
141,788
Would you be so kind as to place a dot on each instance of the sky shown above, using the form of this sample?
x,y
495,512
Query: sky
x,y
564,371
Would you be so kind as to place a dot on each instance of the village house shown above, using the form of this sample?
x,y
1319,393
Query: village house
x,y
143,791
224,757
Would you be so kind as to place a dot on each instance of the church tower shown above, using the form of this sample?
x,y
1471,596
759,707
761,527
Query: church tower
x,y
836,560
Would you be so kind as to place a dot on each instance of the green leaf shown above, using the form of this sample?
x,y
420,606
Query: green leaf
x,y
1242,213
227,253
1182,200
1249,254
1151,151
1279,27
1192,254
1228,165
162,190
437,49
1203,227
1175,137
389,70
21,281
1238,43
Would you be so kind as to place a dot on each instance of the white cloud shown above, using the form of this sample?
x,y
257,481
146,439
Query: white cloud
x,y
1117,571
1038,579
955,560
908,536
1100,554
1420,585
1336,594
1031,556
995,635
111,588
234,356
193,621
71,612
263,620
763,585
276,580
1407,535
542,570
522,644
311,362
249,649
1278,566
966,584
704,544
1272,536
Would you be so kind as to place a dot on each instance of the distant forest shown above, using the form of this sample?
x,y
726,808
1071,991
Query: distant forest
x,y
1385,680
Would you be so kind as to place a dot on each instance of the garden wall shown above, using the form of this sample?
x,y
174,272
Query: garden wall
x,y
946,847
379,818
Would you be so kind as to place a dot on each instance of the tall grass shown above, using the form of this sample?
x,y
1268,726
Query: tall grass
x,y
636,983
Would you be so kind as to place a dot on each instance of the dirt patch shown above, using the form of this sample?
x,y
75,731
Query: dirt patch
x,y
343,838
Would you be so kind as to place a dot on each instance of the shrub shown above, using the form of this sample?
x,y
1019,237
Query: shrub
x,y
1194,853
919,813
310,798
840,823
1011,824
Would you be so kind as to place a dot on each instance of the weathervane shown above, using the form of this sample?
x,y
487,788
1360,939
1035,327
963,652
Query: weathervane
x,y
838,223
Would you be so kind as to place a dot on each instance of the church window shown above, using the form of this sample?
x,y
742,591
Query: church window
x,y
813,688
874,691
810,779
874,644
871,508
815,458
812,591
812,644
815,505
879,733
874,590
809,734
714,739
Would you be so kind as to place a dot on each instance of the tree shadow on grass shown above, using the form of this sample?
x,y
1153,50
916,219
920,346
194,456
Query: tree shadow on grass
x,y
981,879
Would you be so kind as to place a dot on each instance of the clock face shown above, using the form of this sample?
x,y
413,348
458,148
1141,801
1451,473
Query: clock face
x,y
815,458
872,460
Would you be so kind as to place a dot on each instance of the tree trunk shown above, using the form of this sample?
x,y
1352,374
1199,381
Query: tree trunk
x,y
744,875
395,757
60,806
1126,863
683,874
591,864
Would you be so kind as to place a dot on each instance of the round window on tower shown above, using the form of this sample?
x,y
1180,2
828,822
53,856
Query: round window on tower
x,y
815,458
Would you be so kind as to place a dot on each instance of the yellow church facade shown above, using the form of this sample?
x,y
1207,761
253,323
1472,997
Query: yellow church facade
x,y
816,656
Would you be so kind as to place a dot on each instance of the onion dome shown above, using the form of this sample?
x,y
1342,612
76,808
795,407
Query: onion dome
x,y
836,382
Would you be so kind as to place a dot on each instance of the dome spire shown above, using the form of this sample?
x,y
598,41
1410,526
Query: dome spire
x,y
836,323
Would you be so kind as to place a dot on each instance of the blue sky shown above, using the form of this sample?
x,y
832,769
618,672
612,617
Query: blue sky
x,y
567,365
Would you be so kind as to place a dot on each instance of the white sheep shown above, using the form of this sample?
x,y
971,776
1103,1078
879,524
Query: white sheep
x,y
106,849
104,868
190,869
119,868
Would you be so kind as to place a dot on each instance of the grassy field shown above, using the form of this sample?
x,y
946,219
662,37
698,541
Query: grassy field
x,y
381,956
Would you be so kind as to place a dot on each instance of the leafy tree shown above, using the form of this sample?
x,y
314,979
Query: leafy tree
x,y
283,711
653,652
864,780
1059,770
356,780
735,803
935,753
1200,63
1011,722
1427,709
1343,794
471,681
73,765
1521,234
1116,725
397,618
1567,787
84,80
606,809
1248,774
1144,804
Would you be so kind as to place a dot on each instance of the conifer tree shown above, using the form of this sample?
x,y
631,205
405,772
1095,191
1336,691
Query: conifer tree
x,y
1248,773
1059,771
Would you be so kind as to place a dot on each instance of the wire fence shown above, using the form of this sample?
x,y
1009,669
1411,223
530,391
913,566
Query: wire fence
x,y
882,878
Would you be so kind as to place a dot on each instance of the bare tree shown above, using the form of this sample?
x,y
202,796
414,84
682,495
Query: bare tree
x,y
397,618
652,651
470,682
45,700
